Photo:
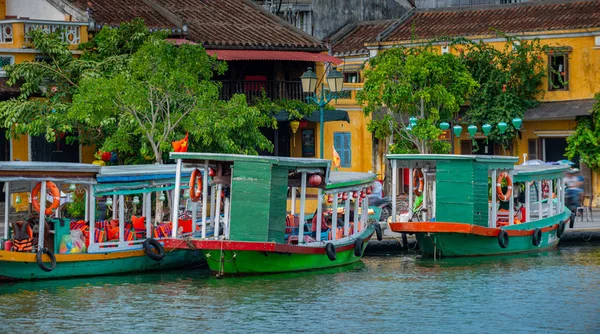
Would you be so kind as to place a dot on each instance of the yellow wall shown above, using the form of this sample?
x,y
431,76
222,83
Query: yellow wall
x,y
20,148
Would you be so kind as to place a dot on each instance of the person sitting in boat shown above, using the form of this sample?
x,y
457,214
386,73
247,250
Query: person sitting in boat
x,y
324,225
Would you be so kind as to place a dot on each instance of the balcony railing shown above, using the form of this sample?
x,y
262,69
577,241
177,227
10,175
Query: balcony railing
x,y
291,90
70,33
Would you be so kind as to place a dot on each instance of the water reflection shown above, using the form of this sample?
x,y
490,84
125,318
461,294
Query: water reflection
x,y
549,291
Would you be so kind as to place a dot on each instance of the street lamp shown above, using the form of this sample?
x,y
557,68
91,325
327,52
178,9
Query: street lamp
x,y
335,80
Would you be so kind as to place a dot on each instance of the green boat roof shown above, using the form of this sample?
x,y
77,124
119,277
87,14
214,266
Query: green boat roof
x,y
51,171
538,172
136,179
435,157
280,161
340,180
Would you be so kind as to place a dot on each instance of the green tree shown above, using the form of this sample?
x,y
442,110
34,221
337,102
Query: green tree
x,y
414,82
585,142
509,78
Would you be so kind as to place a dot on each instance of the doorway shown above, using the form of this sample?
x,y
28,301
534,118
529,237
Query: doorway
x,y
58,151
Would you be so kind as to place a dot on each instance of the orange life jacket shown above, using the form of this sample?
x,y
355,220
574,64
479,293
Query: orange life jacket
x,y
23,237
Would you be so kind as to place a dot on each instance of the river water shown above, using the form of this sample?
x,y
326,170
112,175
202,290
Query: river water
x,y
557,291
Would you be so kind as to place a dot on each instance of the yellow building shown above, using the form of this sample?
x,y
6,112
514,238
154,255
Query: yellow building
x,y
571,30
17,19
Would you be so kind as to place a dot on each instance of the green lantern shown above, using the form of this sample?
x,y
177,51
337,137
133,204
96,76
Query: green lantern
x,y
502,127
516,122
472,130
413,121
18,199
486,129
457,130
409,128
444,126
72,187
161,197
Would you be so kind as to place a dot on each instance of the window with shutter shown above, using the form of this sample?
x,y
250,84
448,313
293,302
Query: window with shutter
x,y
342,142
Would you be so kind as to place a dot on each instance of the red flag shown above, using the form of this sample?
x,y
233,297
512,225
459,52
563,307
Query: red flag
x,y
181,145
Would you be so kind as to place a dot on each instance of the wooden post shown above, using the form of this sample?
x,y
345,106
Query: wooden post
x,y
334,217
319,214
347,216
148,214
365,212
527,201
226,219
121,219
394,189
6,208
302,206
293,212
511,202
86,215
541,213
550,199
494,204
176,194
42,200
218,209
204,197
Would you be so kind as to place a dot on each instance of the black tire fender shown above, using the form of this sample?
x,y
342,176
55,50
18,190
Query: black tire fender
x,y
572,221
560,229
378,231
330,251
154,249
536,238
38,258
503,240
358,247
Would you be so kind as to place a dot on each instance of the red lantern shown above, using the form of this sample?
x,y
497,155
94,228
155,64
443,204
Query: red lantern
x,y
106,156
330,198
211,172
303,124
314,180
355,194
369,191
344,196
362,194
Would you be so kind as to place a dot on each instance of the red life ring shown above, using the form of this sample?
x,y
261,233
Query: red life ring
x,y
502,196
195,179
52,190
418,181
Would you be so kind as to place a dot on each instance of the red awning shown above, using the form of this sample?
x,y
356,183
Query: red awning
x,y
273,55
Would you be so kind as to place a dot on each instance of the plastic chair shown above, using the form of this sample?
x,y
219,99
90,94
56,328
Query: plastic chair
x,y
585,208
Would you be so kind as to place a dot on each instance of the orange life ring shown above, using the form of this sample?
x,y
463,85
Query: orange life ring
x,y
50,188
418,181
502,196
195,179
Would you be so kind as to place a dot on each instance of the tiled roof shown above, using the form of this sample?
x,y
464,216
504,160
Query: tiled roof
x,y
354,41
560,110
225,24
505,18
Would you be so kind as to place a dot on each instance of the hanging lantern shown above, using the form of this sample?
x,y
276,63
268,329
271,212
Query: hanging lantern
x,y
355,194
314,180
409,128
413,121
369,190
344,196
363,194
517,123
330,198
161,197
18,199
294,126
457,130
502,127
486,129
109,201
444,126
472,130
136,200
186,194
72,187
211,172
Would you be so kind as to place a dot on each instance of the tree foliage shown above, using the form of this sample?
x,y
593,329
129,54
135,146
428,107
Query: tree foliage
x,y
414,82
510,79
585,142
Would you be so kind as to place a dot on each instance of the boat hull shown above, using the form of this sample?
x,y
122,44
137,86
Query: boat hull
x,y
238,257
452,240
23,266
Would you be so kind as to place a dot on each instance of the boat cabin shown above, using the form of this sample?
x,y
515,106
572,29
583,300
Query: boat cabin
x,y
246,198
482,190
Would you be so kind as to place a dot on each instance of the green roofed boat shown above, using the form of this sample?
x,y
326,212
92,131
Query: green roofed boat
x,y
468,205
250,231
90,245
